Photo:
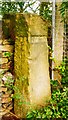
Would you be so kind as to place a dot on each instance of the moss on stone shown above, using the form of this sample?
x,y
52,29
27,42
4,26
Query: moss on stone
x,y
21,25
21,73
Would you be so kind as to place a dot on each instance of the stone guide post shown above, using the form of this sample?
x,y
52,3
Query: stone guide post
x,y
58,43
31,64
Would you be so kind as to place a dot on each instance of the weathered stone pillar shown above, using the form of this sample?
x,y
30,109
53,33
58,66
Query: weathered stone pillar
x,y
58,43
32,84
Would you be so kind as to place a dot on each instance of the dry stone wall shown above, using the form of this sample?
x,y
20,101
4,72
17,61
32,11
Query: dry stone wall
x,y
6,77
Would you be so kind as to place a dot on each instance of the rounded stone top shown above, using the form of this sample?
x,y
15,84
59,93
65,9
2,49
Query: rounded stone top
x,y
32,24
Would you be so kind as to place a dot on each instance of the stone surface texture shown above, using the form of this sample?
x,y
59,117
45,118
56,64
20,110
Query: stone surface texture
x,y
31,63
6,50
58,43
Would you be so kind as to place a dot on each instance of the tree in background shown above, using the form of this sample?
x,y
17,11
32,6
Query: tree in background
x,y
15,7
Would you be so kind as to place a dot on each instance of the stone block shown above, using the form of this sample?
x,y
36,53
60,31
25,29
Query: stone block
x,y
1,41
39,80
6,100
6,48
7,105
5,42
3,60
31,64
30,24
3,89
5,95
35,24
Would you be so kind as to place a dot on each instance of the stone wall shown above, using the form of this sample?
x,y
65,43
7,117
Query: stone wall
x,y
6,77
